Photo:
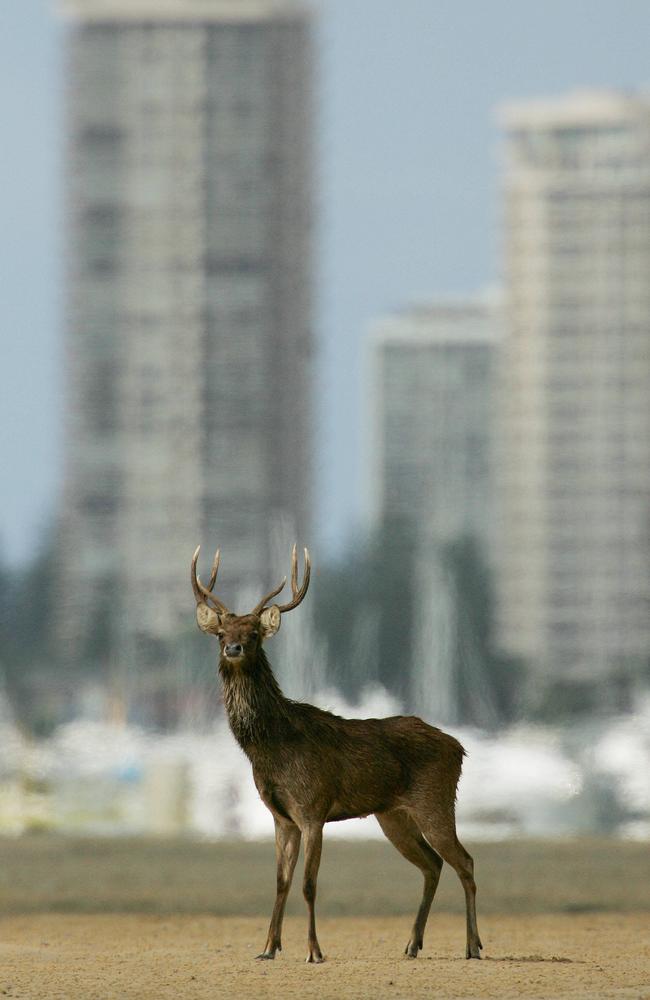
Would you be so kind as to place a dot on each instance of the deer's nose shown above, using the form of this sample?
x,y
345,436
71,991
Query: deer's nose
x,y
234,649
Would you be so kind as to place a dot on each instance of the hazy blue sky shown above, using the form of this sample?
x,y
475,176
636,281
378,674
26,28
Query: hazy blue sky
x,y
407,192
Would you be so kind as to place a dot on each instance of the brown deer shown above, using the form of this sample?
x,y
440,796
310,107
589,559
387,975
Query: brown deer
x,y
311,767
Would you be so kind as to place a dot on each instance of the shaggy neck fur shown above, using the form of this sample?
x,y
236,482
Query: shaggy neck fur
x,y
257,709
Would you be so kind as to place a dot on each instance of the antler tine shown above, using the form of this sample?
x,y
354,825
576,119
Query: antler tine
x,y
257,610
195,582
294,569
203,593
298,594
215,569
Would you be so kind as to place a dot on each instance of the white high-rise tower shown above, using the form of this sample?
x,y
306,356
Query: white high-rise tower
x,y
575,470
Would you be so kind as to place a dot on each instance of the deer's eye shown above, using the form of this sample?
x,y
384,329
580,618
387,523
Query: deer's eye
x,y
220,634
254,635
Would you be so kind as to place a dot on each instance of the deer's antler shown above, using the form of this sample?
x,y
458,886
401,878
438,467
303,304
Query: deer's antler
x,y
298,593
203,593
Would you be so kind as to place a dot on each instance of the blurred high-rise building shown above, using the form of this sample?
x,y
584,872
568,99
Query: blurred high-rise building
x,y
429,419
575,468
189,339
429,488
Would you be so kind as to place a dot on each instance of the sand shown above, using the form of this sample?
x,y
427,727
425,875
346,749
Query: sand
x,y
149,957
357,878
97,919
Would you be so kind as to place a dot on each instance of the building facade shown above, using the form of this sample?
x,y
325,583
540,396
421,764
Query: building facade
x,y
189,336
429,420
575,464
429,487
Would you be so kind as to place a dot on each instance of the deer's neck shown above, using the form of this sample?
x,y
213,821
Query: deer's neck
x,y
257,710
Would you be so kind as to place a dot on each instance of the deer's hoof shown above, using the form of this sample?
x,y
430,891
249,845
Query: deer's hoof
x,y
314,958
266,956
412,949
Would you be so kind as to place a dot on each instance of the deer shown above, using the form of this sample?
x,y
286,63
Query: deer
x,y
311,767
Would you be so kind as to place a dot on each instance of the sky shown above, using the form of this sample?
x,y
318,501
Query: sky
x,y
407,200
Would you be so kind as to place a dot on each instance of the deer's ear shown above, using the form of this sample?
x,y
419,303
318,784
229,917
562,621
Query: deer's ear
x,y
207,618
270,621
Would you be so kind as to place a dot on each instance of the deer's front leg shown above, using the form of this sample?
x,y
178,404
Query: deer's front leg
x,y
287,847
313,846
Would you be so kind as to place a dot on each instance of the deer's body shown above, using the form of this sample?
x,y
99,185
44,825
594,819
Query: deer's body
x,y
346,767
312,767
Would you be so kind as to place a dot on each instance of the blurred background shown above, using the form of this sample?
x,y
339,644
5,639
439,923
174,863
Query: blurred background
x,y
370,276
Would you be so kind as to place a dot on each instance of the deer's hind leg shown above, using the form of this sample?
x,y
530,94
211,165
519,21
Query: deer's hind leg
x,y
287,848
450,849
406,837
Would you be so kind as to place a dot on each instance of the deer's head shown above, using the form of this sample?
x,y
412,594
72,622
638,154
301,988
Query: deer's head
x,y
240,636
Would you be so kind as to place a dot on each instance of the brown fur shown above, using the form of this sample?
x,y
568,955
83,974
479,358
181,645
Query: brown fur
x,y
312,767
